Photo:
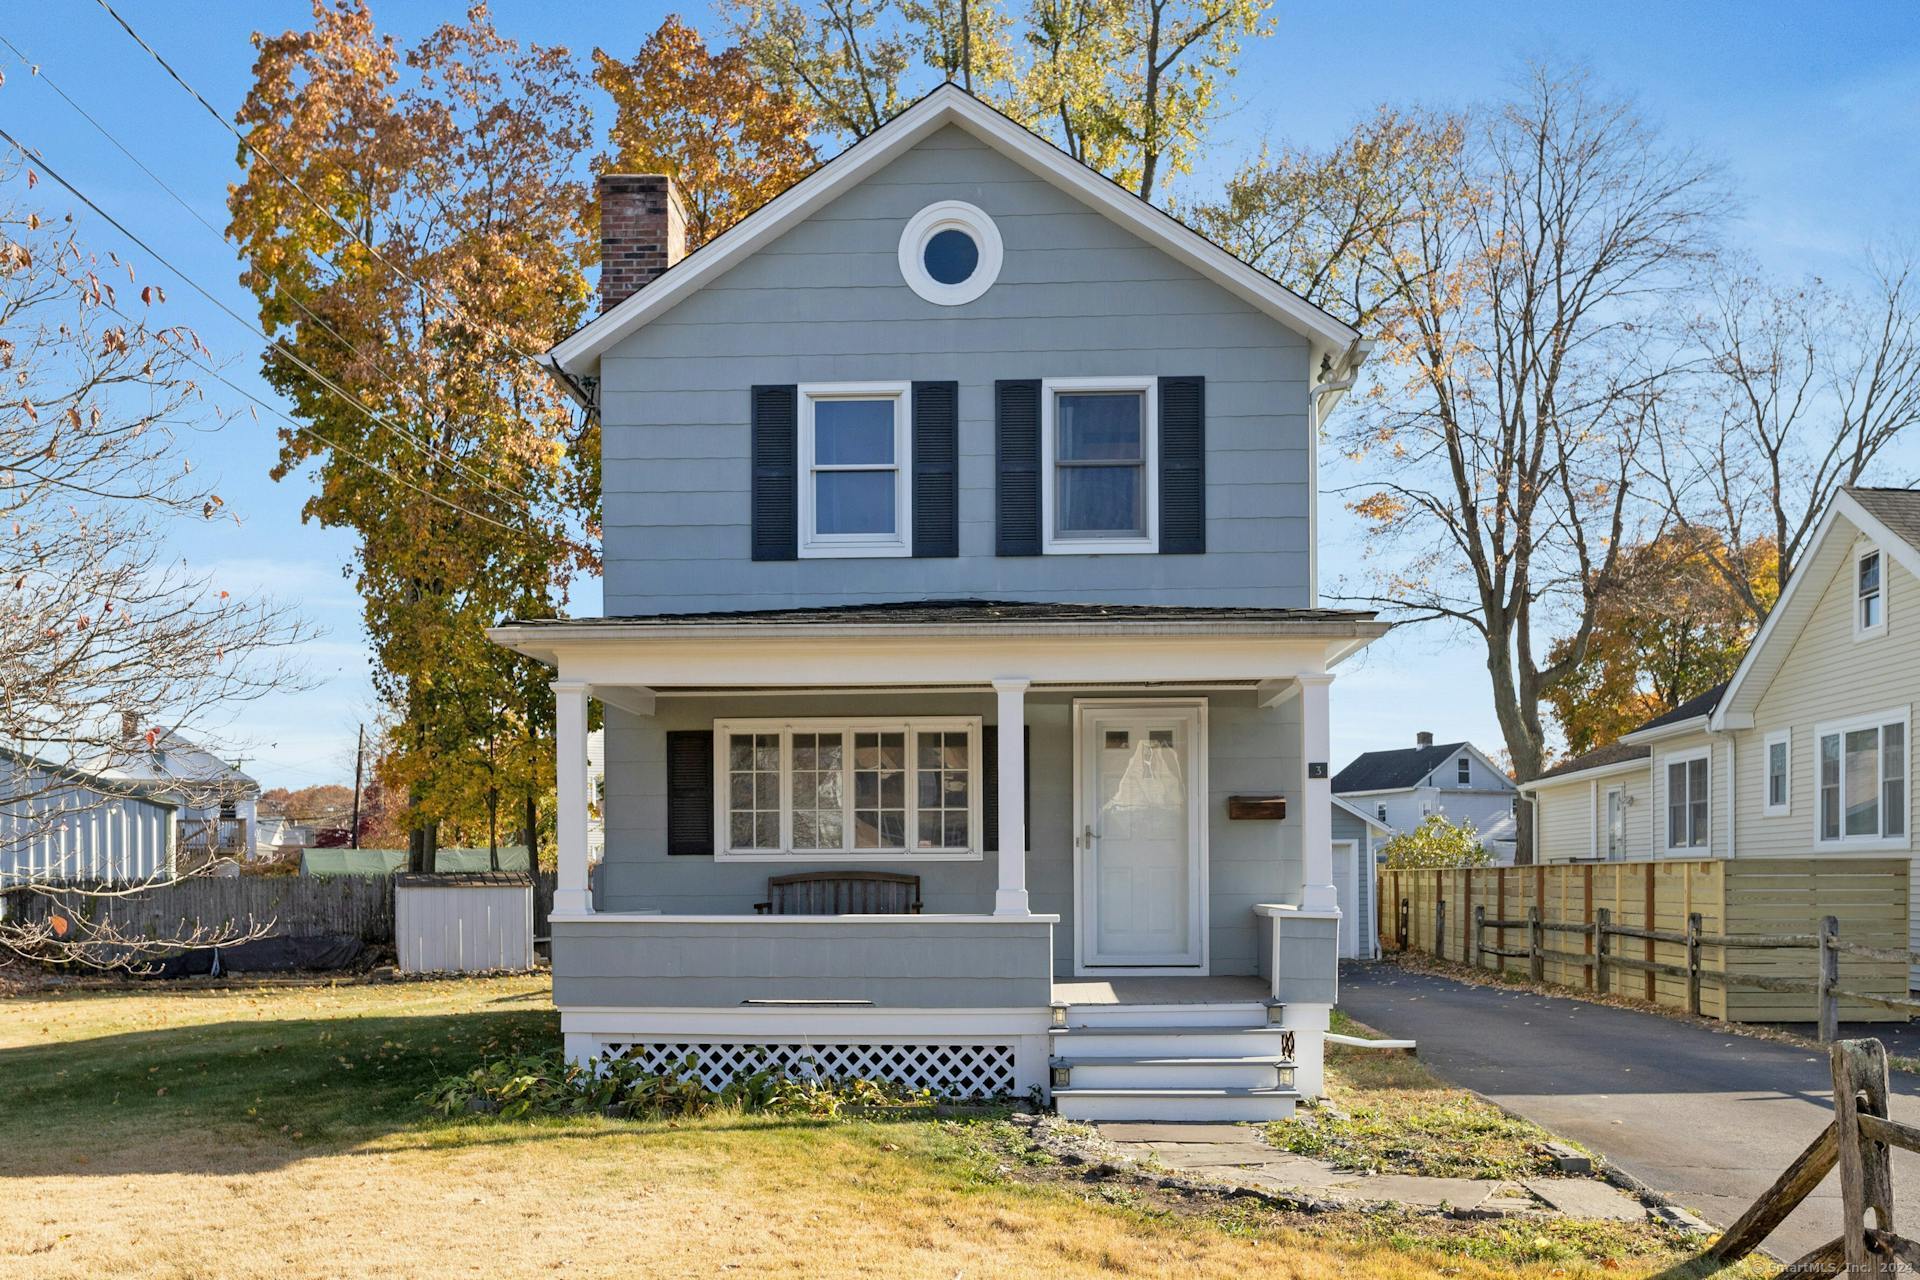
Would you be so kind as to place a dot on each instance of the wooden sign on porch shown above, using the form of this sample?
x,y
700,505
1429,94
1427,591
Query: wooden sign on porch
x,y
1271,807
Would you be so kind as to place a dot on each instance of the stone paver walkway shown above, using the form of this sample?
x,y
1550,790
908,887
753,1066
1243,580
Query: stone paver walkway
x,y
1241,1156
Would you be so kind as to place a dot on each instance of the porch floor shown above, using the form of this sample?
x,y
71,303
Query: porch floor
x,y
1219,989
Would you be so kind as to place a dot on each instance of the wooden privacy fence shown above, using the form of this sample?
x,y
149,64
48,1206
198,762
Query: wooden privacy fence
x,y
294,906
1753,940
1857,1141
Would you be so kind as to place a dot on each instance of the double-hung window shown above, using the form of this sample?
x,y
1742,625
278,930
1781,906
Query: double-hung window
x,y
1870,594
1687,802
1861,780
1465,771
1100,489
855,489
848,789
1778,764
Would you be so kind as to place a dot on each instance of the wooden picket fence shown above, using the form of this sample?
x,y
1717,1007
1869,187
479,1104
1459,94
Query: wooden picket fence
x,y
1740,940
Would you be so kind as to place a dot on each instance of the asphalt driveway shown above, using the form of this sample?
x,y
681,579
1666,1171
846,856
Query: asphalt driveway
x,y
1708,1118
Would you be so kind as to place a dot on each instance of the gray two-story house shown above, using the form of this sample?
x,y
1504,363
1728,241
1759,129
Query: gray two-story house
x,y
964,681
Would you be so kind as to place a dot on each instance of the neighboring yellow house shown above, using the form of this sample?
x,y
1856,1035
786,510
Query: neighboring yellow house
x,y
1805,751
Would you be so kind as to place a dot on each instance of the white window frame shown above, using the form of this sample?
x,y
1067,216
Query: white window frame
x,y
1899,715
723,730
956,215
1861,631
1782,738
817,546
1050,390
1463,771
1705,848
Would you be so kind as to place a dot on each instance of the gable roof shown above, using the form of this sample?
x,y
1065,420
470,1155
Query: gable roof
x,y
1889,518
1392,770
1372,821
579,354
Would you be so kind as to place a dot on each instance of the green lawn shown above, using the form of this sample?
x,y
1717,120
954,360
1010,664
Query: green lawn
x,y
200,1130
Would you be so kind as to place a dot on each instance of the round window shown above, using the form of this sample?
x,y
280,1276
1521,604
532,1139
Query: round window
x,y
950,253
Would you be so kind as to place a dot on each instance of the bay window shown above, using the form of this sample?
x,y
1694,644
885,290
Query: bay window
x,y
1862,780
849,789
1687,802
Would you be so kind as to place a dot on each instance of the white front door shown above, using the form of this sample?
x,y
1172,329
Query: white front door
x,y
1141,790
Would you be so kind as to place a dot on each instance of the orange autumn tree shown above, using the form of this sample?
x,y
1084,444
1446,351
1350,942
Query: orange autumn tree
x,y
413,223
730,141
1671,628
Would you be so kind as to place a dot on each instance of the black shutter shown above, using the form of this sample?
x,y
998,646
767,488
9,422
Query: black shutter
x,y
776,446
690,791
1016,413
936,469
1183,466
990,785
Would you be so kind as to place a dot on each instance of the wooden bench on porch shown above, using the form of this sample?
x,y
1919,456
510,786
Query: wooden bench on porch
x,y
841,893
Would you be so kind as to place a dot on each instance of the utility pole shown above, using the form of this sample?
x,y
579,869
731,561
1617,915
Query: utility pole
x,y
359,750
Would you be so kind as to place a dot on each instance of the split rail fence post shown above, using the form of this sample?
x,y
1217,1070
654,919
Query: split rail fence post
x,y
1693,963
1829,1002
1536,946
1602,921
1479,924
1866,1174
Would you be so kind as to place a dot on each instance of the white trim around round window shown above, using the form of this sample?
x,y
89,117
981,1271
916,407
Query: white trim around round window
x,y
950,215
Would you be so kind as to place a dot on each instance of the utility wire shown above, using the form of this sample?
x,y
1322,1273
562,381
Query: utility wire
x,y
431,448
247,141
114,222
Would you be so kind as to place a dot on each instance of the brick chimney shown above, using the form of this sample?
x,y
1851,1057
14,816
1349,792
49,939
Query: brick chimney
x,y
1423,739
643,231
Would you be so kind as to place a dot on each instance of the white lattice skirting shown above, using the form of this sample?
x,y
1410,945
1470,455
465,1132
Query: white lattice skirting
x,y
947,1069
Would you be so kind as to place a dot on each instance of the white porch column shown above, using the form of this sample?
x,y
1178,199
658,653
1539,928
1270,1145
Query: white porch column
x,y
1011,898
570,785
1316,791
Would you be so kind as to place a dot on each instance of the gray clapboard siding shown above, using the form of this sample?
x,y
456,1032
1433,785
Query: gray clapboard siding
x,y
913,964
1249,862
1077,296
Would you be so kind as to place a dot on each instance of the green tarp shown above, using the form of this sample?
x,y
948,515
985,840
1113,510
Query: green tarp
x,y
385,862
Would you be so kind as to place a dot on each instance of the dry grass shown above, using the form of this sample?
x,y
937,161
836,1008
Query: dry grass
x,y
273,1131
1389,1114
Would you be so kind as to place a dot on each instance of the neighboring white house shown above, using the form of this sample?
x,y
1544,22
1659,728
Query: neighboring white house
x,y
597,793
1454,779
218,805
61,823
1805,751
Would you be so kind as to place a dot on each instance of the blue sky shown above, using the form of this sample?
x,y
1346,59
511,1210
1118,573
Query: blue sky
x,y
1814,111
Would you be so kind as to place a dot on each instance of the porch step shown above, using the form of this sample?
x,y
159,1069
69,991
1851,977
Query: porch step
x,y
1132,1071
1166,1042
1243,1013
1175,1104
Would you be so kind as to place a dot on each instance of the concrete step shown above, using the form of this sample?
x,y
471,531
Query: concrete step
x,y
1246,1013
1175,1104
1167,1042
1138,1071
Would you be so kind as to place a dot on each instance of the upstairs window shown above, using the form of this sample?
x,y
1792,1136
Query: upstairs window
x,y
1380,812
1862,780
1465,767
1870,597
1778,763
1100,490
855,492
1687,803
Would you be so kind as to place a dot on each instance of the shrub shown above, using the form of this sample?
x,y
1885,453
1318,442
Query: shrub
x,y
1437,843
547,1084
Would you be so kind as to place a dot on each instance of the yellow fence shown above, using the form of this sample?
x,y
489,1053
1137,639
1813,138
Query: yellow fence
x,y
1751,898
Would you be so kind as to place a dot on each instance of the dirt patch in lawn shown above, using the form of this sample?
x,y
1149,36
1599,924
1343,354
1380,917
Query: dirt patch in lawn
x,y
1386,1113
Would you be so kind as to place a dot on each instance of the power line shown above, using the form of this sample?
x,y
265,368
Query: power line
x,y
315,374
247,142
423,443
